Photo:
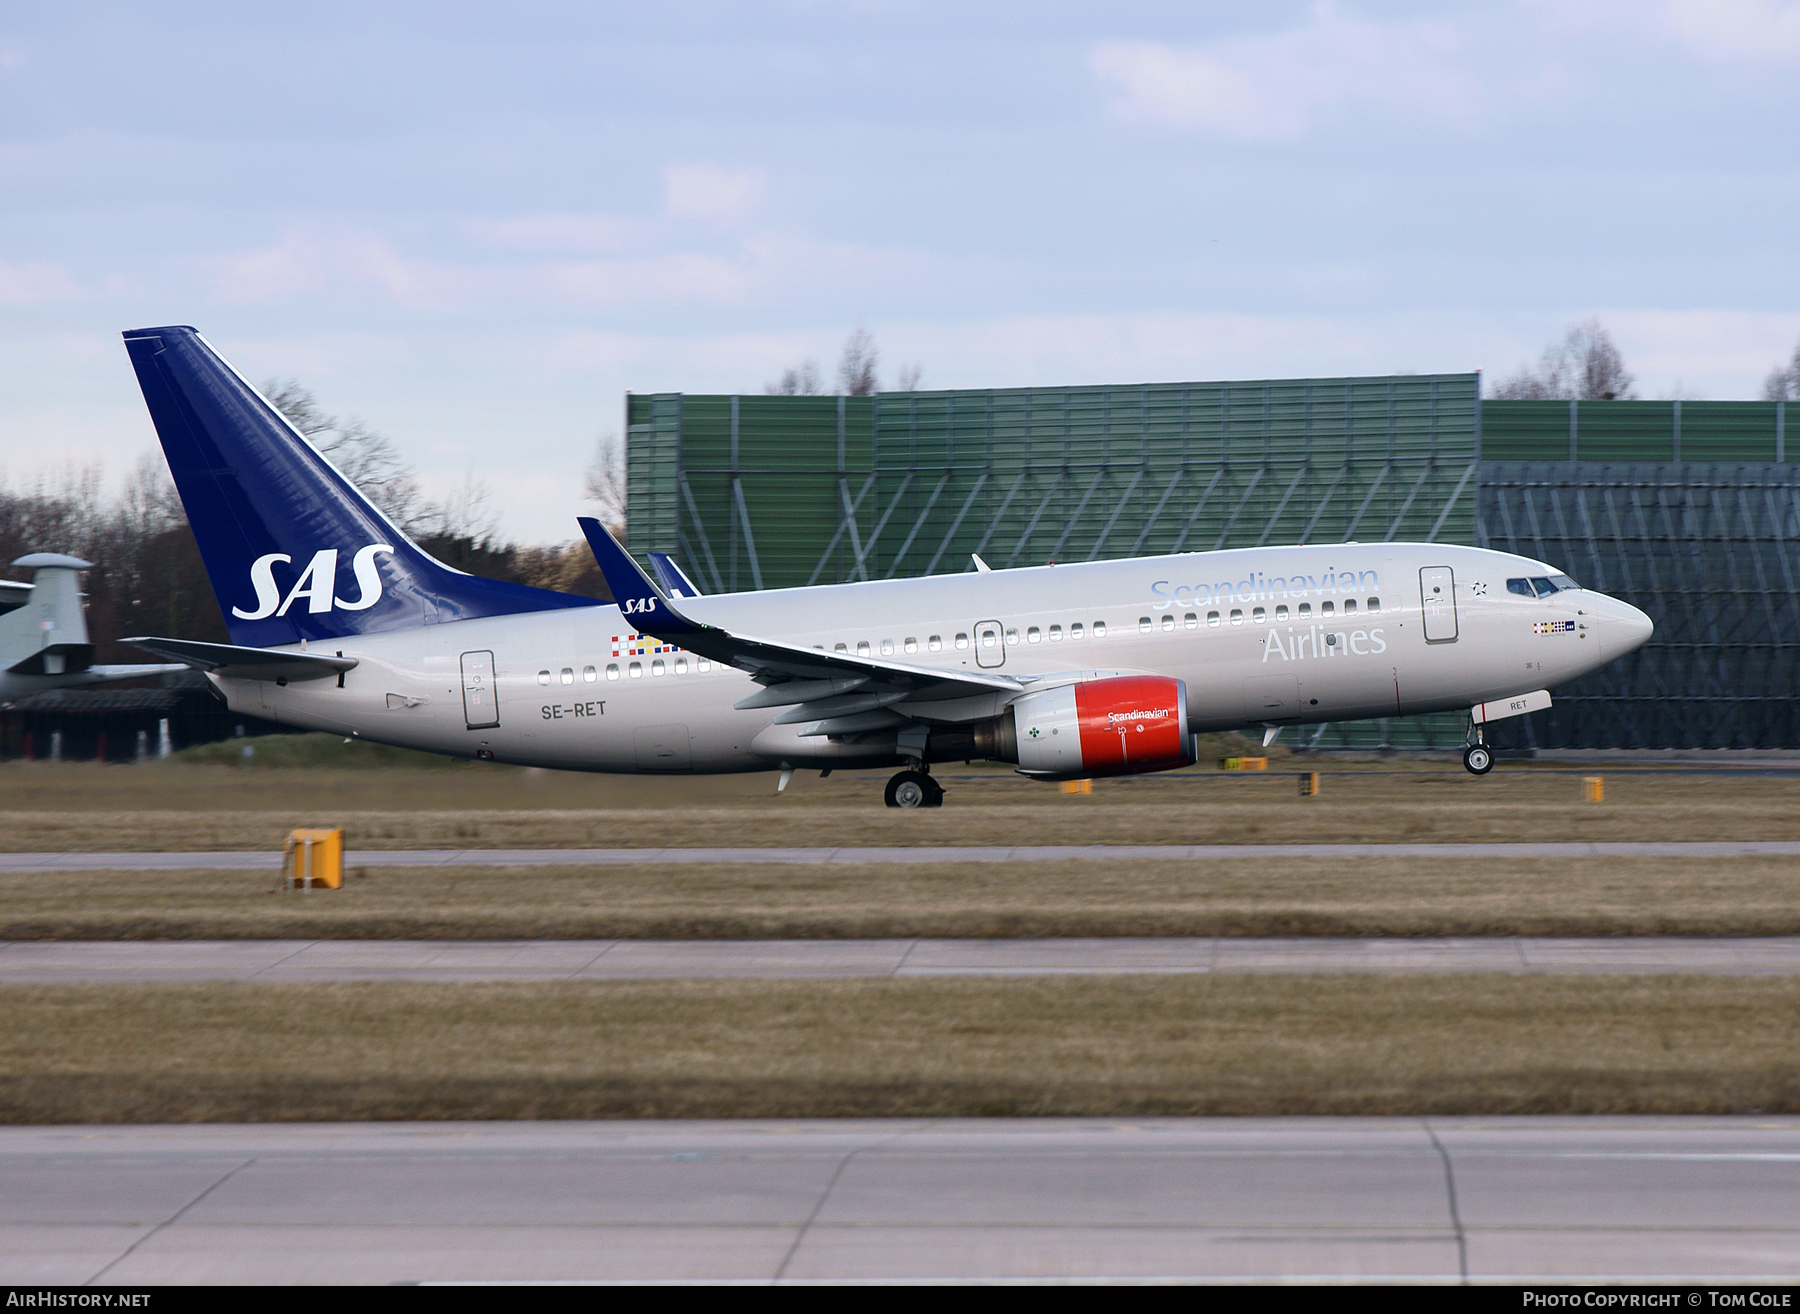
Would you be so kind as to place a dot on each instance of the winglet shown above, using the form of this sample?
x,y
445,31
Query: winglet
x,y
631,588
673,579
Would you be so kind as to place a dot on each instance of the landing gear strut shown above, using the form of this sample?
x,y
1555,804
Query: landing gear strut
x,y
914,789
1478,758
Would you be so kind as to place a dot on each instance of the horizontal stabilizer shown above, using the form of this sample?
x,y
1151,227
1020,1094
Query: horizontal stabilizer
x,y
237,663
134,671
55,659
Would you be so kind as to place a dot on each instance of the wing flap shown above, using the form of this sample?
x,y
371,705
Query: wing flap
x,y
849,705
790,692
850,725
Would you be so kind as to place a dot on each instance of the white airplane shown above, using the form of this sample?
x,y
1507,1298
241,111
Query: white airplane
x,y
43,631
339,623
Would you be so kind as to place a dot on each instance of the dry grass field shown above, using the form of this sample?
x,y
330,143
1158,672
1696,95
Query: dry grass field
x,y
1264,896
1035,1046
179,805
1114,1046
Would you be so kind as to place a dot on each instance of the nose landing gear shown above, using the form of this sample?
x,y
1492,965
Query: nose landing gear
x,y
914,789
1478,758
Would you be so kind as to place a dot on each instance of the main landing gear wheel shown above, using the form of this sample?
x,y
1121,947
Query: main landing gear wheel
x,y
1479,759
914,789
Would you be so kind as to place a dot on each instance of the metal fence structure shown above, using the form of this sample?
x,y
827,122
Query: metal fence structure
x,y
1690,510
771,492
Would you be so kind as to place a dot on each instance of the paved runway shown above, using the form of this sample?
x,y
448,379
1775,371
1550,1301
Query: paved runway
x,y
34,962
1247,1199
270,860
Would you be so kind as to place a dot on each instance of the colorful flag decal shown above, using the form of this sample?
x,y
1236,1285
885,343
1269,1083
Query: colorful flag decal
x,y
640,645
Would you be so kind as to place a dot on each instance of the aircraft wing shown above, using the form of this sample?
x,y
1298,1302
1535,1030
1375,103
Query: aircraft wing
x,y
841,692
232,661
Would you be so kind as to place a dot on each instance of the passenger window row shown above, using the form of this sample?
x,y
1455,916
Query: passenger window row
x,y
989,639
1055,633
1260,615
633,670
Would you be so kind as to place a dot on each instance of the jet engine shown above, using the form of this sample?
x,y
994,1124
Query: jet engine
x,y
1114,727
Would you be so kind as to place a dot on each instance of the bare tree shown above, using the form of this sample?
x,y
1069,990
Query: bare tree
x,y
564,567
800,380
149,504
857,372
857,366
1584,366
466,512
1783,383
367,459
604,482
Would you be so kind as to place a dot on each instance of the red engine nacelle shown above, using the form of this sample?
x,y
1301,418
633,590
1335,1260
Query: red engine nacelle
x,y
1114,727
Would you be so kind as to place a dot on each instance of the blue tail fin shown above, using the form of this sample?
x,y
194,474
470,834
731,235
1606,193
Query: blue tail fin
x,y
294,551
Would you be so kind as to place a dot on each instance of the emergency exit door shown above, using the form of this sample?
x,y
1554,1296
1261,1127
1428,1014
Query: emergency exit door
x,y
1437,590
990,644
481,709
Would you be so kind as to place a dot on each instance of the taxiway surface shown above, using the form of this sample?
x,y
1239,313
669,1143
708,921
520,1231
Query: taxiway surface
x,y
271,859
1227,1199
69,962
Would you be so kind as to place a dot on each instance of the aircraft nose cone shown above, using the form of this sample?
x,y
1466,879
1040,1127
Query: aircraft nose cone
x,y
1626,628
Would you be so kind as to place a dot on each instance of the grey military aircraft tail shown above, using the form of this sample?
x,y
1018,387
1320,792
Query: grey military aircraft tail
x,y
44,637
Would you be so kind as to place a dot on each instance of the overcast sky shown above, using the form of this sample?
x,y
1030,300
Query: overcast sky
x,y
476,226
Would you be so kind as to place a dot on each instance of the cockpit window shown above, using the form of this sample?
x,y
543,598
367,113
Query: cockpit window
x,y
1540,587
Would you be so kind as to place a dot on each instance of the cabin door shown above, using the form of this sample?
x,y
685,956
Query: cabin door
x,y
1437,591
481,709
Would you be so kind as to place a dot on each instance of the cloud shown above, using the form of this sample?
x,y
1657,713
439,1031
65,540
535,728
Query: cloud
x,y
32,285
585,233
1725,352
311,261
737,361
1274,87
1738,31
680,276
712,193
305,260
